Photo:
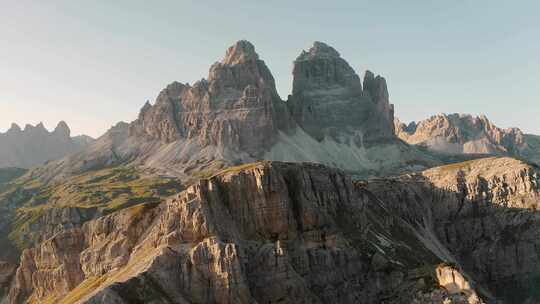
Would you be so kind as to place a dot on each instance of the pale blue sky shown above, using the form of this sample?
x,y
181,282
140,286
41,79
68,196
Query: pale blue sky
x,y
96,64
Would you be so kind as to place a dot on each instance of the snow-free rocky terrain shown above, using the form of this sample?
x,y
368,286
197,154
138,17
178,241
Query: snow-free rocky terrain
x,y
275,232
465,134
236,116
222,192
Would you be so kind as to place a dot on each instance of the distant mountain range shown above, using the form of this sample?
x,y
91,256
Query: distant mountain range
x,y
466,134
35,145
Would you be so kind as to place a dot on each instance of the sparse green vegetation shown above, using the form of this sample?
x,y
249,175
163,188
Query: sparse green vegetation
x,y
239,168
83,289
533,141
107,190
457,166
9,174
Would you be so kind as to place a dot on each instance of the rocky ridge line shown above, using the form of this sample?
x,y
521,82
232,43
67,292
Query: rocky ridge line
x,y
35,145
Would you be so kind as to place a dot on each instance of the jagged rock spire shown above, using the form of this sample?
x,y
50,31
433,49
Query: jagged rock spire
x,y
322,67
242,51
14,128
207,112
328,98
62,129
319,50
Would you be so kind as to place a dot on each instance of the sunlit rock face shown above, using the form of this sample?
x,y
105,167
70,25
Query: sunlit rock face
x,y
461,133
236,107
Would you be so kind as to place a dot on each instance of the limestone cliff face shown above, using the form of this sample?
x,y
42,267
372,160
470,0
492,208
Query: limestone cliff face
x,y
236,116
236,107
458,133
328,99
485,214
35,145
263,233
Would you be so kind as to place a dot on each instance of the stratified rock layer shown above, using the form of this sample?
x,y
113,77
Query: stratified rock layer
x,y
485,214
261,233
238,107
459,133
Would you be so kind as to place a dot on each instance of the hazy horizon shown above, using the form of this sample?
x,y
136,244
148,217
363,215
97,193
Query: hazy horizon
x,y
95,65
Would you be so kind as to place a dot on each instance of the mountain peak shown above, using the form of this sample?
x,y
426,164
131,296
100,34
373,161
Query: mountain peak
x,y
319,50
62,129
14,128
322,77
368,76
376,87
41,126
242,51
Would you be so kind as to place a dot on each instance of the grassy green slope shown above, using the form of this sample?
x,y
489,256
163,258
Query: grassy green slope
x,y
24,201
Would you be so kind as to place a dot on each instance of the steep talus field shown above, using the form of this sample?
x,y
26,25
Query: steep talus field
x,y
261,233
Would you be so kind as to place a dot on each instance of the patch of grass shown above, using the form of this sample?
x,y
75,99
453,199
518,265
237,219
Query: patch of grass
x,y
20,230
107,190
112,189
240,168
457,166
9,174
533,141
85,288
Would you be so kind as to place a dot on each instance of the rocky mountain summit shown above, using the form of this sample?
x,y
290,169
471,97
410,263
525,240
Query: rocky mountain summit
x,y
304,233
328,99
236,116
237,107
35,145
465,134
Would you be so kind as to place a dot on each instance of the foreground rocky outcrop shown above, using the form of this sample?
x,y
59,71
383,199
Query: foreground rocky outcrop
x,y
465,134
35,145
261,233
237,107
485,214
